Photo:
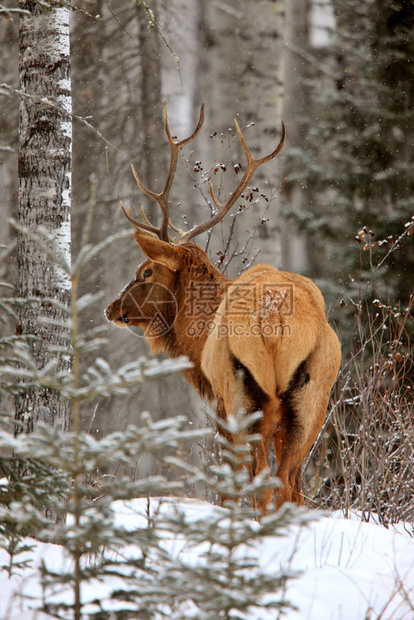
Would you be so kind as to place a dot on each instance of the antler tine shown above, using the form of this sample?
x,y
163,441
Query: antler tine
x,y
252,165
258,162
176,146
144,217
142,187
139,225
162,197
146,220
185,141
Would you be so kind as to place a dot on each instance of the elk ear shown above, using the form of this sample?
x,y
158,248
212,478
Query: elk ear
x,y
158,251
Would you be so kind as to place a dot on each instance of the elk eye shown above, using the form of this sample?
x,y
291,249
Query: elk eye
x,y
147,273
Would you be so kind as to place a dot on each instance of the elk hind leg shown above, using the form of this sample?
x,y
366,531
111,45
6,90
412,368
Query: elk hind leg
x,y
304,411
260,451
289,465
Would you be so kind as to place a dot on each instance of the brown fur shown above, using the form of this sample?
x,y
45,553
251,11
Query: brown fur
x,y
279,337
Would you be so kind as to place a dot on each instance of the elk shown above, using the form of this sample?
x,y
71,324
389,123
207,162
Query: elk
x,y
268,324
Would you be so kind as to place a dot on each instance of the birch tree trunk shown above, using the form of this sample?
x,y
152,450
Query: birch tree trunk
x,y
244,48
261,103
154,165
295,255
45,137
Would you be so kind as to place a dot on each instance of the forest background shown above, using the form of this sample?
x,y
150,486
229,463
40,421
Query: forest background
x,y
339,201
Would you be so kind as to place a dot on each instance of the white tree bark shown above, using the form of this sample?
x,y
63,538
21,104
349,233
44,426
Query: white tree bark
x,y
244,62
45,138
261,103
296,102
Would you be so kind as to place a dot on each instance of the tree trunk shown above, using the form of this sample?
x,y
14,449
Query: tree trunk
x,y
261,103
244,60
295,256
153,167
45,137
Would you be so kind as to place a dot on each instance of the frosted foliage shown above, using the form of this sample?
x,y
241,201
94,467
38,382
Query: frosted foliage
x,y
367,570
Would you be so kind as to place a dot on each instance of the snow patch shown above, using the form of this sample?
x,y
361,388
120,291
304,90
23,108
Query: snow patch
x,y
349,568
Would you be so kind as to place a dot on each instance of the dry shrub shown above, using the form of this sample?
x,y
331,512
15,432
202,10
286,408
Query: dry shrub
x,y
363,460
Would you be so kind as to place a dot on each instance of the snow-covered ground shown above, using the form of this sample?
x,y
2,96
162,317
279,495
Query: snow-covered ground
x,y
350,570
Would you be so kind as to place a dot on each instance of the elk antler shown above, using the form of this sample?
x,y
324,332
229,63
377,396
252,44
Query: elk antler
x,y
252,165
162,198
